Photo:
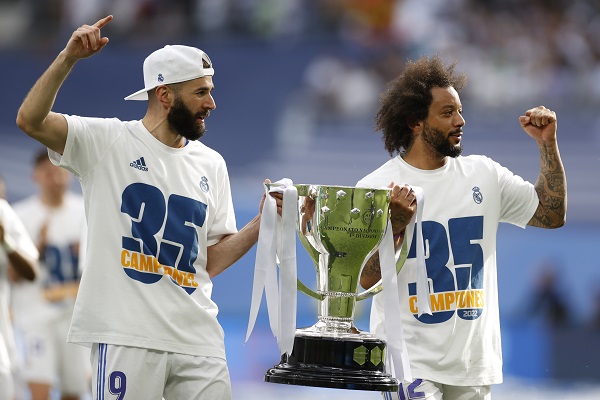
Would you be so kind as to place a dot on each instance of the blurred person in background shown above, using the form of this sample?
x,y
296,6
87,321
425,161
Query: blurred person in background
x,y
547,301
18,258
454,351
161,225
55,219
593,324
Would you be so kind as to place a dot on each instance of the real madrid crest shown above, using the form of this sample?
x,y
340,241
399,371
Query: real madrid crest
x,y
477,196
204,184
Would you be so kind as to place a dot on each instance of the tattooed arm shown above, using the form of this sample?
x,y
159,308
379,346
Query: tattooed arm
x,y
403,206
551,185
371,273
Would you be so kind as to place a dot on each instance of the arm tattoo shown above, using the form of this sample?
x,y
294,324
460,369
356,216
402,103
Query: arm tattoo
x,y
401,218
551,187
372,268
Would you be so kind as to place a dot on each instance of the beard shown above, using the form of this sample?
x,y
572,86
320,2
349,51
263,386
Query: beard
x,y
183,121
440,143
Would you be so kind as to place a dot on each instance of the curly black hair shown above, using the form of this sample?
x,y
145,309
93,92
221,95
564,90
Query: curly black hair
x,y
408,98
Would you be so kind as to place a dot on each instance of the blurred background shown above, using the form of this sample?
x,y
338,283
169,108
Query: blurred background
x,y
297,86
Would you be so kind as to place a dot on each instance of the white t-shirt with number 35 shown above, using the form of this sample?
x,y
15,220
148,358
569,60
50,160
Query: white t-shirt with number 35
x,y
151,210
465,200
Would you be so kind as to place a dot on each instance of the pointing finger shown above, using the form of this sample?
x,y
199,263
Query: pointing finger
x,y
102,22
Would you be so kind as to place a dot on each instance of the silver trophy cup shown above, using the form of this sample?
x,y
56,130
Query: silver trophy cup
x,y
341,228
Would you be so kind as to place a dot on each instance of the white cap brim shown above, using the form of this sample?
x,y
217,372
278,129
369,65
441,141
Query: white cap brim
x,y
139,95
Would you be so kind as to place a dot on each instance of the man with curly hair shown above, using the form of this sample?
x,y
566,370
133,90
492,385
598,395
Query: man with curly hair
x,y
455,351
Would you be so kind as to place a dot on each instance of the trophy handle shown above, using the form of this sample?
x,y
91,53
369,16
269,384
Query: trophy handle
x,y
309,292
376,288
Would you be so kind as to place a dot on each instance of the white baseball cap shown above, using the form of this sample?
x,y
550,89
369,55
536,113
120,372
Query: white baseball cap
x,y
172,64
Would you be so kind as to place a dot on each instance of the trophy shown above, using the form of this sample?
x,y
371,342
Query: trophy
x,y
341,228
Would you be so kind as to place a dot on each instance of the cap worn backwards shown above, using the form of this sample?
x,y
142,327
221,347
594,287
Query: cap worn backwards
x,y
172,64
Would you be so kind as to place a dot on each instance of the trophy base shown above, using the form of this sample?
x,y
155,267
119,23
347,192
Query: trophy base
x,y
347,362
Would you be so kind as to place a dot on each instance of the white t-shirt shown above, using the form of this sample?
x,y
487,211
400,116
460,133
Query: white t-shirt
x,y
464,202
65,225
14,229
151,211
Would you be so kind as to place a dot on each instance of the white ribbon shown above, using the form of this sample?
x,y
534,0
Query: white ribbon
x,y
277,241
396,344
398,361
423,299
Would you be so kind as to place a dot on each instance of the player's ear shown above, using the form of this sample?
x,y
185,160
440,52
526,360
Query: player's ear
x,y
414,124
164,95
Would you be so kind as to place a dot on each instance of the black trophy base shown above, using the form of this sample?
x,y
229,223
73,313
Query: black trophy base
x,y
338,363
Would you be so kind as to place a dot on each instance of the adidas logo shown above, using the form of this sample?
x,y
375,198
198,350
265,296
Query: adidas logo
x,y
139,164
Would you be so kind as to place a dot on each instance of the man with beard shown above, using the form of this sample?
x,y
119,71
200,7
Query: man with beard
x,y
454,351
160,221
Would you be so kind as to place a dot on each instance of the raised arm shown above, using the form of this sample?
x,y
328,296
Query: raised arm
x,y
35,116
551,185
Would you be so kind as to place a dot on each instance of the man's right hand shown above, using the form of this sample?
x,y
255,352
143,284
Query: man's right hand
x,y
87,40
403,205
35,116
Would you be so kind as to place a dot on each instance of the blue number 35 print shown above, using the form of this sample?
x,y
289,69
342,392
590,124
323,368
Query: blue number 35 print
x,y
459,292
176,251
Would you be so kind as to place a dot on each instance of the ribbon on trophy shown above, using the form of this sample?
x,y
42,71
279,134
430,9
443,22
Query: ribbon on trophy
x,y
396,344
277,245
423,299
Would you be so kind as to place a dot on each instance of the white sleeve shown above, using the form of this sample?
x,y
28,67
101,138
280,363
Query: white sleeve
x,y
15,230
88,140
224,222
519,199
